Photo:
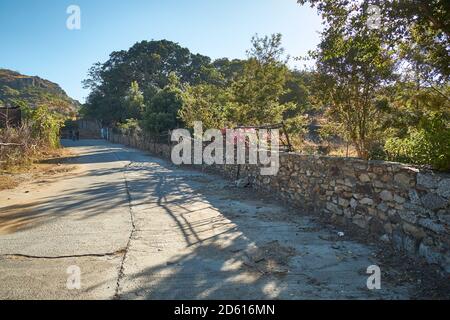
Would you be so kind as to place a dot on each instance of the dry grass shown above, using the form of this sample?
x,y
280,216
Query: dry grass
x,y
20,153
7,182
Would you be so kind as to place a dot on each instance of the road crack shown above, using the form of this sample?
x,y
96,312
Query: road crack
x,y
87,255
133,230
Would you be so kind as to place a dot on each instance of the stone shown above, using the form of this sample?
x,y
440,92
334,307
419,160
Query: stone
x,y
364,178
334,208
385,238
243,183
353,203
431,225
378,184
413,231
429,254
426,180
414,197
388,228
344,202
382,207
410,245
366,201
349,183
397,239
402,179
408,216
433,201
444,217
399,199
360,221
444,188
386,195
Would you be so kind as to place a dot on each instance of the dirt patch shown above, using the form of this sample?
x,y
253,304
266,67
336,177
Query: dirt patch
x,y
50,165
270,258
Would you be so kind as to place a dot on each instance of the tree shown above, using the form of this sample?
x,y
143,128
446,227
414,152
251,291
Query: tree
x,y
256,93
134,102
162,111
353,66
206,103
149,64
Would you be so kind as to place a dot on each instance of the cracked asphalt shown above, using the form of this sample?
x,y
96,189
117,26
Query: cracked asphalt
x,y
140,228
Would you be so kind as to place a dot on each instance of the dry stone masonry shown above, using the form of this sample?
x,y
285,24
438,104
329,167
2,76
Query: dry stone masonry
x,y
402,205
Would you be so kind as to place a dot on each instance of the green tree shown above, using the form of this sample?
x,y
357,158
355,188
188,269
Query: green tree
x,y
256,93
206,103
161,113
134,102
353,66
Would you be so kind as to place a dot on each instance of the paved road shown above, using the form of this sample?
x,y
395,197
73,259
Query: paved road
x,y
139,228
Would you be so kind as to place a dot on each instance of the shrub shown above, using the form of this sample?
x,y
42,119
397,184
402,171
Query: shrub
x,y
429,144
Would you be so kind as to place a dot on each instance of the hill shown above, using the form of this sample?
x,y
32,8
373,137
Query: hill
x,y
35,91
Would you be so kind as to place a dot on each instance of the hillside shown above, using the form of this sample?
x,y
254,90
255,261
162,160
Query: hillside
x,y
35,91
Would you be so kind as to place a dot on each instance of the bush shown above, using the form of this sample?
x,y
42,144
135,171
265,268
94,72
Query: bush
x,y
17,146
46,126
21,145
129,127
429,144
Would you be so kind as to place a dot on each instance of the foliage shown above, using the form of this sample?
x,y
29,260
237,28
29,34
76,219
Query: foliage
x,y
37,134
45,126
205,103
149,64
429,143
256,93
130,127
134,101
162,111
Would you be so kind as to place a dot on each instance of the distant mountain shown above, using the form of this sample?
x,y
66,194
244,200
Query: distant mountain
x,y
35,91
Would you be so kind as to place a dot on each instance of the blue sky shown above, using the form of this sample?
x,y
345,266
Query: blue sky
x,y
35,41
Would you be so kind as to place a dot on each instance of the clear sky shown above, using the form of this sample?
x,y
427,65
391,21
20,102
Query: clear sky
x,y
34,39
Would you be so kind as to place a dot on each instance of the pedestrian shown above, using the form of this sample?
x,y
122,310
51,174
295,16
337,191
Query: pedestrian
x,y
77,134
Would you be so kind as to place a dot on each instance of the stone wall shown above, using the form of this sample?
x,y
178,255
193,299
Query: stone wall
x,y
399,204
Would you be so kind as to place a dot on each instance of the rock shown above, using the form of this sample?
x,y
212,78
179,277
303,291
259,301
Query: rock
x,y
414,231
414,197
399,199
242,183
388,228
344,202
426,180
366,201
402,179
411,245
360,221
431,225
429,254
433,201
334,208
408,216
444,188
397,239
364,178
386,195
353,203
385,238
444,218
